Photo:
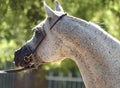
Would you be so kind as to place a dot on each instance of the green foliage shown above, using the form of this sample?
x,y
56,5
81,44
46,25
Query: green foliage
x,y
18,17
65,66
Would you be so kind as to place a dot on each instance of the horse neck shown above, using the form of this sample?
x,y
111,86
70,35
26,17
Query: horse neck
x,y
95,52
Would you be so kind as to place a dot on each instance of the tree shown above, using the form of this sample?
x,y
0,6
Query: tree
x,y
18,17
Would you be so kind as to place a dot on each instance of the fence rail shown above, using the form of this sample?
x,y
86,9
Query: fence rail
x,y
64,82
72,79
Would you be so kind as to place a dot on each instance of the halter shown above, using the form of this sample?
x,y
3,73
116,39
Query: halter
x,y
28,58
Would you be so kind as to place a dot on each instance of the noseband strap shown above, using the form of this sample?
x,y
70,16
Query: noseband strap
x,y
32,52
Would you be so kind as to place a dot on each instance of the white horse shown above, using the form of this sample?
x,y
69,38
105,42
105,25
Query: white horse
x,y
96,53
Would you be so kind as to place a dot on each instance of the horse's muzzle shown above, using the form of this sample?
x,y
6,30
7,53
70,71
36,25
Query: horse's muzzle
x,y
23,56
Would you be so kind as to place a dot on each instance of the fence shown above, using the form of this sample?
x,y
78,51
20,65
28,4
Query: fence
x,y
15,80
64,82
7,80
28,80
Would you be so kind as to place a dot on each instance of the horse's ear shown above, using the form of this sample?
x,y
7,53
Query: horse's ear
x,y
58,6
48,10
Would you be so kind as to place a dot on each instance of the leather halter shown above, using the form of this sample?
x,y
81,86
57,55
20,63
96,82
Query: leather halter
x,y
43,34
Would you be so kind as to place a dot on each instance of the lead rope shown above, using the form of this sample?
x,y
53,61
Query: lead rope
x,y
17,70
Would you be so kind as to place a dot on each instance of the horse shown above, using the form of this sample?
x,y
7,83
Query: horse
x,y
60,36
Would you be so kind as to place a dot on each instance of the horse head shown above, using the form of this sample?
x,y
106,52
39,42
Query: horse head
x,y
45,45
